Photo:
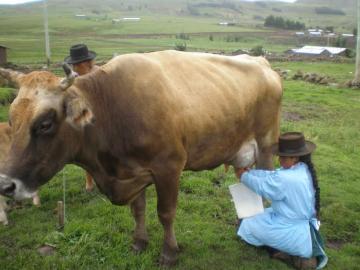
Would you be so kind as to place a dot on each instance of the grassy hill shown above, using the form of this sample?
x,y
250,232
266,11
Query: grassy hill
x,y
21,27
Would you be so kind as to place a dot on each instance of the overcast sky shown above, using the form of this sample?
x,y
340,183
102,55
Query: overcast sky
x,y
14,2
290,1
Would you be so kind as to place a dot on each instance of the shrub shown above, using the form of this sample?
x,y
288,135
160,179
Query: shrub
x,y
181,46
257,50
350,53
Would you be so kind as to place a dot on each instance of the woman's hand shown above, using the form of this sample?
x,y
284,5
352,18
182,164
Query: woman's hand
x,y
240,171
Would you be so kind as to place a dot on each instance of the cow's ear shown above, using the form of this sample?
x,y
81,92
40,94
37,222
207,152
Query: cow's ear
x,y
78,112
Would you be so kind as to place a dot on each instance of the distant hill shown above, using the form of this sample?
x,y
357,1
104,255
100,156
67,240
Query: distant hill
x,y
330,3
312,13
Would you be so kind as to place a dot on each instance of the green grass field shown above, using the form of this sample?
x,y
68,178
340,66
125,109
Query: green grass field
x,y
97,234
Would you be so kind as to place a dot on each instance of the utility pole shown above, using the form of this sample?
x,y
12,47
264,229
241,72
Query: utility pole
x,y
356,81
46,30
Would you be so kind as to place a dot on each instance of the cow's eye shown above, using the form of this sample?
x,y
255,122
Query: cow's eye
x,y
45,124
45,127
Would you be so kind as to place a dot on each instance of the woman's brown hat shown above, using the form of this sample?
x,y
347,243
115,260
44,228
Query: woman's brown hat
x,y
293,144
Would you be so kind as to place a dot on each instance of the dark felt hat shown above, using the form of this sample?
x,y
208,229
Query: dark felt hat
x,y
293,144
79,53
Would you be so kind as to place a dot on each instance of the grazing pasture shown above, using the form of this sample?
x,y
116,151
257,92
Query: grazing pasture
x,y
97,234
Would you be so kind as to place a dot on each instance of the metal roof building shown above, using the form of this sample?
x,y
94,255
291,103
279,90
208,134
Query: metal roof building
x,y
318,51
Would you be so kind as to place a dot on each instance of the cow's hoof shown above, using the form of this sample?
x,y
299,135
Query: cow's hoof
x,y
89,189
168,257
167,262
139,245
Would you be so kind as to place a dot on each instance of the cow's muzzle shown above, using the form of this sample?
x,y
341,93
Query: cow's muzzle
x,y
7,187
8,190
14,188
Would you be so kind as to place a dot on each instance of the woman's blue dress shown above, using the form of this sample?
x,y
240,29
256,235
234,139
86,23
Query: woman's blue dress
x,y
286,224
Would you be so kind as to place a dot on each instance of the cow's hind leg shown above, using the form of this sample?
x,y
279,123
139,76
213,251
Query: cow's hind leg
x,y
167,187
140,234
265,156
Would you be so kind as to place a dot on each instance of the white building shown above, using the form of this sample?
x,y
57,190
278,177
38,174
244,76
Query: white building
x,y
315,34
131,19
81,16
331,35
319,51
347,35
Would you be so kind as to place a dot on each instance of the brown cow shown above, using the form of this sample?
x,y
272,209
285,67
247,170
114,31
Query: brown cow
x,y
138,120
5,139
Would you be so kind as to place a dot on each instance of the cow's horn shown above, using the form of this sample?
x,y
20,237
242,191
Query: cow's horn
x,y
70,77
11,75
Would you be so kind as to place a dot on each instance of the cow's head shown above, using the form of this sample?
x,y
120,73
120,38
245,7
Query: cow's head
x,y
47,119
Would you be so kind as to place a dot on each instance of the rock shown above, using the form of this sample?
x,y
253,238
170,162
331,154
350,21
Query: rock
x,y
298,75
324,81
47,250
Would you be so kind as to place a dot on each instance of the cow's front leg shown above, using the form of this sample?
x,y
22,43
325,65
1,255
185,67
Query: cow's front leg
x,y
167,187
140,234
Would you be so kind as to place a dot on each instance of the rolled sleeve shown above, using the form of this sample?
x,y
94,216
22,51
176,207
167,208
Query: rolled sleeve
x,y
265,183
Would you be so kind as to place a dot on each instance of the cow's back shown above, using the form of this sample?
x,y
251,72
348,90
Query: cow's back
x,y
209,103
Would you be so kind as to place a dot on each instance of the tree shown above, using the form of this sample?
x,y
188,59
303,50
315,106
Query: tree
x,y
280,22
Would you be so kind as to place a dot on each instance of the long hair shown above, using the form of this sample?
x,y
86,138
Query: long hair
x,y
307,160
